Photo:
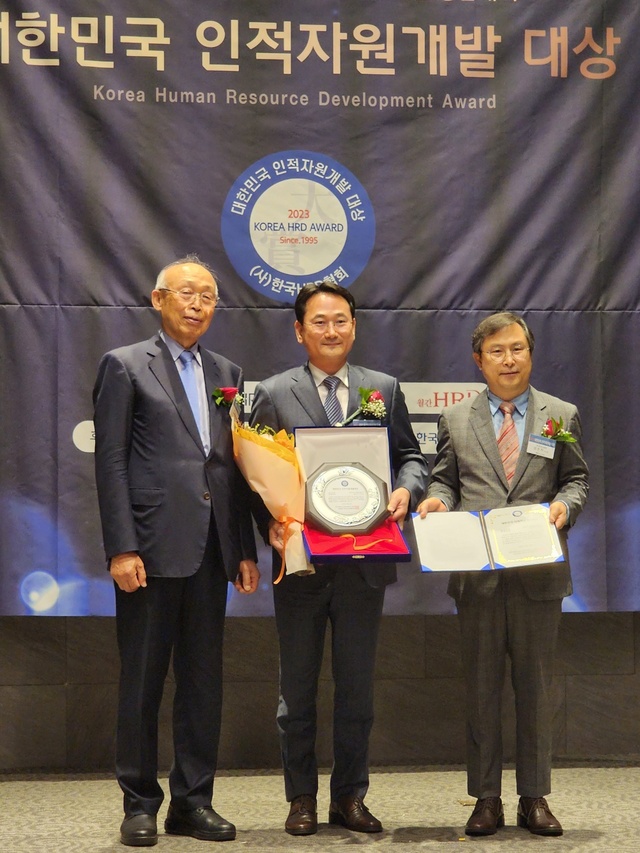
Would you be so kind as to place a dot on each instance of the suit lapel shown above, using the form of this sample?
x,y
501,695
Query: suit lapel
x,y
164,369
306,393
533,424
356,381
219,418
482,425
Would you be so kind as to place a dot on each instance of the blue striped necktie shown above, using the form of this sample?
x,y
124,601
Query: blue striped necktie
x,y
332,405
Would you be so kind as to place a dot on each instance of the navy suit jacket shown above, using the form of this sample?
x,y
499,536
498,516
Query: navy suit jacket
x,y
156,488
290,399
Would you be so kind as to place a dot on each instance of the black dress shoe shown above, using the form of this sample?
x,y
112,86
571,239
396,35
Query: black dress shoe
x,y
486,818
535,815
303,816
351,812
139,830
203,823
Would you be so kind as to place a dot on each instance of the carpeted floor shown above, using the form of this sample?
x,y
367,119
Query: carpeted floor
x,y
422,809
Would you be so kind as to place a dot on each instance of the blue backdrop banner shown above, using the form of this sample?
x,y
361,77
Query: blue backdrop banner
x,y
442,158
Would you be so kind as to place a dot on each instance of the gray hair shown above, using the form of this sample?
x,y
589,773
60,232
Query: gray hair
x,y
191,258
490,325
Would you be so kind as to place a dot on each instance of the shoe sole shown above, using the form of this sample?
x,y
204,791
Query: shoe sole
x,y
480,832
522,822
338,820
549,832
223,835
139,842
312,831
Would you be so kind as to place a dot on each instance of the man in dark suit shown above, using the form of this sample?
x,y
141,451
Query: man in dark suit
x,y
350,597
513,612
176,530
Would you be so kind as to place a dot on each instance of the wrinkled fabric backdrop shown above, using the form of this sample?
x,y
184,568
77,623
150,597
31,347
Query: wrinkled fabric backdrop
x,y
477,154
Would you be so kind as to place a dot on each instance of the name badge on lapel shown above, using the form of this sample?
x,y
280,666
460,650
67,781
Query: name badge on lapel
x,y
540,445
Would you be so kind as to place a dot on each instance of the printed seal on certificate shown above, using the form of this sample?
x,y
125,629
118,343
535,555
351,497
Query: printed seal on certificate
x,y
343,498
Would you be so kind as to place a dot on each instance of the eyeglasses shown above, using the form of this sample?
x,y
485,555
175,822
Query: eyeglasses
x,y
498,354
189,296
321,326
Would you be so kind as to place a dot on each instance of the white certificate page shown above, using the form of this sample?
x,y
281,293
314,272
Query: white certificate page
x,y
451,542
522,536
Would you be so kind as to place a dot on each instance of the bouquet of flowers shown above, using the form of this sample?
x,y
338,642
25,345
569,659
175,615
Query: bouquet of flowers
x,y
270,466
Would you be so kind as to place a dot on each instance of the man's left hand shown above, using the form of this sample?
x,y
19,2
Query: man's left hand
x,y
248,577
398,504
558,514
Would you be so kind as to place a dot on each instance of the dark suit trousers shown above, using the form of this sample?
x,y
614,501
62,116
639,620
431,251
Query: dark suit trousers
x,y
508,623
303,606
184,616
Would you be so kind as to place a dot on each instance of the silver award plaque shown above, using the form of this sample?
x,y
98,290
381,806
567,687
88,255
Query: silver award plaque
x,y
346,498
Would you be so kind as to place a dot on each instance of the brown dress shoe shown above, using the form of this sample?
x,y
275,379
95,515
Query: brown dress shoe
x,y
535,815
486,818
303,819
351,812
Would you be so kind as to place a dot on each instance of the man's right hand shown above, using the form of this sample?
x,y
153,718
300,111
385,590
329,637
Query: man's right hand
x,y
276,535
431,505
128,572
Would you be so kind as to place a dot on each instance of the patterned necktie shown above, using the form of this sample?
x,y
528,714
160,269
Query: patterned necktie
x,y
508,441
332,405
188,376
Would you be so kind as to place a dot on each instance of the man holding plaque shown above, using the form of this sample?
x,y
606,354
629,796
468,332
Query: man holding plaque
x,y
510,445
323,392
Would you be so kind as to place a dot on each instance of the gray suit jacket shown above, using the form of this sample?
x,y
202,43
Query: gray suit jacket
x,y
156,488
290,399
468,475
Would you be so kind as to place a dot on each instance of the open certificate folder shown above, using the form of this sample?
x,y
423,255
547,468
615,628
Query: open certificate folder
x,y
504,538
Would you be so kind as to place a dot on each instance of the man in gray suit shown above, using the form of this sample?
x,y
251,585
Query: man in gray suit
x,y
350,597
176,529
512,612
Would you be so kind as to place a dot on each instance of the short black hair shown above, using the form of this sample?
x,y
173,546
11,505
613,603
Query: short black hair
x,y
327,286
493,324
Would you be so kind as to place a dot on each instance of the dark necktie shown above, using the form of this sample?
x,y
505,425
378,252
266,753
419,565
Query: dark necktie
x,y
332,405
508,441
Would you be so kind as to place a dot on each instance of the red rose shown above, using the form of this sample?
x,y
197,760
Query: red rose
x,y
374,396
229,394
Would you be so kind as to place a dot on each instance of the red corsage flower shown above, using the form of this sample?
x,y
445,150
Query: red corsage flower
x,y
227,396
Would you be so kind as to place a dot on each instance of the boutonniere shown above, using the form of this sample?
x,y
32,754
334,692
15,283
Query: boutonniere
x,y
555,429
227,397
371,406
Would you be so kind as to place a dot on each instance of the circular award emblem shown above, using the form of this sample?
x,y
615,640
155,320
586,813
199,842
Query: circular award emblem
x,y
345,498
296,217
